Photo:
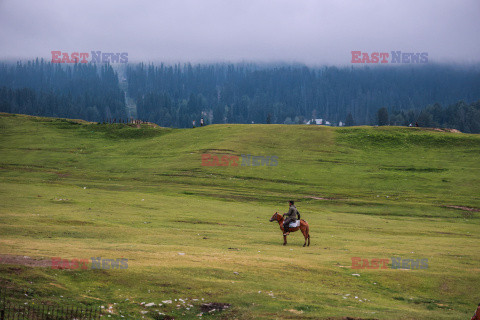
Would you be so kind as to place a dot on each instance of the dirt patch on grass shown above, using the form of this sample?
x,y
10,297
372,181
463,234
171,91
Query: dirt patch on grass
x,y
215,151
68,222
464,208
294,311
24,261
467,212
214,306
447,130
413,169
153,125
57,285
62,175
319,198
201,222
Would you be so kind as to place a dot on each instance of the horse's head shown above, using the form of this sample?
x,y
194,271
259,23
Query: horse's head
x,y
275,217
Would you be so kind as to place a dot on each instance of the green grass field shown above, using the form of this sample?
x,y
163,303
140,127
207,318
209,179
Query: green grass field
x,y
73,189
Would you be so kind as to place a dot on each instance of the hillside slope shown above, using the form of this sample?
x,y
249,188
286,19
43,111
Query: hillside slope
x,y
77,189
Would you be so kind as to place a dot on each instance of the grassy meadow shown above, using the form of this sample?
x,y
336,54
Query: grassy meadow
x,y
78,190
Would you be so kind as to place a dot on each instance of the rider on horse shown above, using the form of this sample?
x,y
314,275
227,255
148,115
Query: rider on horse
x,y
291,216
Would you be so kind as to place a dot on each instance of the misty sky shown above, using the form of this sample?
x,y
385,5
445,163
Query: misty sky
x,y
303,31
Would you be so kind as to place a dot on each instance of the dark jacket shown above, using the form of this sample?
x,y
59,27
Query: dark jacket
x,y
291,215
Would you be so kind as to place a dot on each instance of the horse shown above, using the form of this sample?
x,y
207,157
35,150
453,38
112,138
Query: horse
x,y
303,227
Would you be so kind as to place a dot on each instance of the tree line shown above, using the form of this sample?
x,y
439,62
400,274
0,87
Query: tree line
x,y
175,95
461,116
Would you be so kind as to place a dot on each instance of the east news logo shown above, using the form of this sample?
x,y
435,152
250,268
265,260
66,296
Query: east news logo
x,y
397,263
395,57
97,57
212,160
97,263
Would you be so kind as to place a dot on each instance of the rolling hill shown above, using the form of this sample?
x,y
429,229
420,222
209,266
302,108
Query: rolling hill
x,y
199,233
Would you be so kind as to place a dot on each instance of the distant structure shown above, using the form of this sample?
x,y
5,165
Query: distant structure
x,y
315,121
322,122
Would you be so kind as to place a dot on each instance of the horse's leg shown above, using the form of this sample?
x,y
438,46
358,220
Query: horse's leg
x,y
284,240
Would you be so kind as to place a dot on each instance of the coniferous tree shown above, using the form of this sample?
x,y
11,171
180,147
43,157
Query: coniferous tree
x,y
349,121
382,117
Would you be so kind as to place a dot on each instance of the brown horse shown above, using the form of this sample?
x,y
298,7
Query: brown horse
x,y
303,227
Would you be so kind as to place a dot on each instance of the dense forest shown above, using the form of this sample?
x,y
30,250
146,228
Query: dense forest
x,y
175,95
81,91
